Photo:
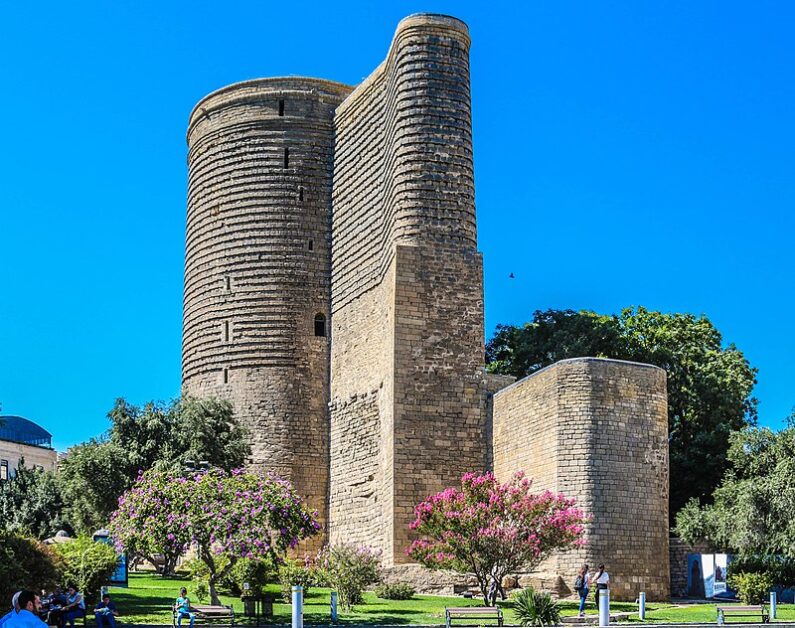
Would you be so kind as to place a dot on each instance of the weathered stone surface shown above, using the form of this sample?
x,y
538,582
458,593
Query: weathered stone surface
x,y
308,198
596,430
257,267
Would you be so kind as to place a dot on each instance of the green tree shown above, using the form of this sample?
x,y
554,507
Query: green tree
x,y
26,563
751,514
167,435
88,565
31,503
156,435
709,385
92,476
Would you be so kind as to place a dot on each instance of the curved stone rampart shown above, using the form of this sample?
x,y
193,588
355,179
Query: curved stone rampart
x,y
596,430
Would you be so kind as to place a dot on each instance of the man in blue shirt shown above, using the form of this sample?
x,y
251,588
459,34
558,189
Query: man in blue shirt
x,y
14,608
106,613
27,616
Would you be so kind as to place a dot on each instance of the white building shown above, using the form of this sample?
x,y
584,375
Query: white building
x,y
23,439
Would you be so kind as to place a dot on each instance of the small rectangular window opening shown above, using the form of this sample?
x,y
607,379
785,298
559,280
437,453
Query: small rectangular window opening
x,y
286,157
300,192
226,331
311,245
281,107
226,375
228,282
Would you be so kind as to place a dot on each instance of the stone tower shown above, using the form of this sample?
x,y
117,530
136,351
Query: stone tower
x,y
407,377
257,268
334,294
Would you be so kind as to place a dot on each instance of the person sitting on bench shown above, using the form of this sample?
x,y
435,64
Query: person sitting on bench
x,y
75,607
182,607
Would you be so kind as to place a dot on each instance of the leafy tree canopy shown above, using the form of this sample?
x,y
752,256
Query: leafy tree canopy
x,y
156,435
26,564
752,512
31,503
709,385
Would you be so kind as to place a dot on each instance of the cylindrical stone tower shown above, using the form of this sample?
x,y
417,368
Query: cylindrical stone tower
x,y
257,267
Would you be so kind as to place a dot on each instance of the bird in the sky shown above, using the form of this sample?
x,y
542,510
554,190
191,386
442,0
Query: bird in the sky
x,y
511,276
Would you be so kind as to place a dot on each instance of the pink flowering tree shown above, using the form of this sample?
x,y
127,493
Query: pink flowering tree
x,y
492,529
238,515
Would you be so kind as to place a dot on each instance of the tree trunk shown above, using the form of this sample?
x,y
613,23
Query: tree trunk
x,y
484,590
214,599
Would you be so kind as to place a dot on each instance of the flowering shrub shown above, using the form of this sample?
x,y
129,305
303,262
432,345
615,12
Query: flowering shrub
x,y
348,569
297,573
234,515
493,529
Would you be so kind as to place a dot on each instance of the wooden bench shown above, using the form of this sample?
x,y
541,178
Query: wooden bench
x,y
751,612
473,613
208,614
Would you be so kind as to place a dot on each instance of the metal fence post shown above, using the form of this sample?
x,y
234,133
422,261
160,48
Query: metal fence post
x,y
604,607
298,606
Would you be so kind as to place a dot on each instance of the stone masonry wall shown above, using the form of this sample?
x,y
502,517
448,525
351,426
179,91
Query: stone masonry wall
x,y
596,430
307,198
407,296
257,267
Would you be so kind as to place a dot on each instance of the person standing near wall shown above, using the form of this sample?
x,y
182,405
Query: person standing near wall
x,y
602,581
581,586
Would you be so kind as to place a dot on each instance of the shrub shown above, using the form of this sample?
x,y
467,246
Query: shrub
x,y
535,608
257,573
780,568
398,591
26,563
297,573
201,589
752,588
349,569
88,565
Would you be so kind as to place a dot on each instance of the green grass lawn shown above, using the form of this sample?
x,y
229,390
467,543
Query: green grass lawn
x,y
149,598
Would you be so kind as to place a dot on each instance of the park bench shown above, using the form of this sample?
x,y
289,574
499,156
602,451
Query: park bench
x,y
208,614
474,614
750,612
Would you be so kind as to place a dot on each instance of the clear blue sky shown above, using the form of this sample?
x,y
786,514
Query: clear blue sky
x,y
626,153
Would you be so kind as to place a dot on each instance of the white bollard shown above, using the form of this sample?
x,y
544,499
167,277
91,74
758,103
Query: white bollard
x,y
604,607
773,601
642,606
298,606
334,606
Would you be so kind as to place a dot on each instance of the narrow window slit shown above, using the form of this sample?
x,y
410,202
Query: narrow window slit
x,y
286,157
226,331
311,245
281,107
300,192
320,325
226,375
228,282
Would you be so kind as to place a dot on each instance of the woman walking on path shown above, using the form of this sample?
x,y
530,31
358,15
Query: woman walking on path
x,y
581,585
